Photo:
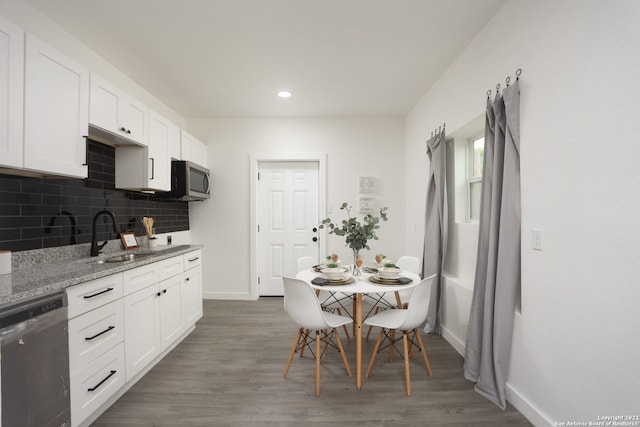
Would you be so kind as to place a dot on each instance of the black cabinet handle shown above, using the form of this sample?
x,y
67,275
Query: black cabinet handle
x,y
194,259
100,333
99,293
315,239
112,373
187,279
164,291
158,294
153,167
128,131
123,129
314,229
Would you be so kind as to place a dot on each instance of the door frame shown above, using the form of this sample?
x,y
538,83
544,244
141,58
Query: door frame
x,y
254,162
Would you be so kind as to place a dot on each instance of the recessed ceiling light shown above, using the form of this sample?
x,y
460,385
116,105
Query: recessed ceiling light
x,y
284,94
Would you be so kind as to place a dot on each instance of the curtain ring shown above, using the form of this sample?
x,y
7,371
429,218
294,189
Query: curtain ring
x,y
508,80
518,72
497,88
489,93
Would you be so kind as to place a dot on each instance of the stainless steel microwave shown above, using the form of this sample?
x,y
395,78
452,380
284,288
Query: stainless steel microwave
x,y
188,182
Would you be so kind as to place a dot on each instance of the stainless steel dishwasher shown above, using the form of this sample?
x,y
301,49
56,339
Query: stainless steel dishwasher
x,y
34,352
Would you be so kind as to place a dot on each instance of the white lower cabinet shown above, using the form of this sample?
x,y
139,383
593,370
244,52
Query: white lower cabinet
x,y
120,325
191,291
96,344
96,382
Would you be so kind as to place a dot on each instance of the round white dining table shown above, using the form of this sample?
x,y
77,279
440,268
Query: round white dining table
x,y
360,287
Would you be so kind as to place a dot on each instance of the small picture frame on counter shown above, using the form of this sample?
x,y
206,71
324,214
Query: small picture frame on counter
x,y
129,240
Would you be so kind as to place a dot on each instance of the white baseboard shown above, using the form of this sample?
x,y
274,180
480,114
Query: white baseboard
x,y
526,408
228,296
455,342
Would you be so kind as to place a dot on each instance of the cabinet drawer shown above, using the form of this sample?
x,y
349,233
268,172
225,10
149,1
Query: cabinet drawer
x,y
94,333
192,259
90,295
141,277
96,383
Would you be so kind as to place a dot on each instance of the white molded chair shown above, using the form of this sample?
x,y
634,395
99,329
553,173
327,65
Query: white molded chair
x,y
412,265
306,263
406,320
327,301
303,307
404,263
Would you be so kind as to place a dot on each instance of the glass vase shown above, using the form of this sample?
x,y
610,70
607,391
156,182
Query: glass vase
x,y
357,263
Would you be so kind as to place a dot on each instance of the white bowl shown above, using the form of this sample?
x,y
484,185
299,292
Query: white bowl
x,y
333,273
389,272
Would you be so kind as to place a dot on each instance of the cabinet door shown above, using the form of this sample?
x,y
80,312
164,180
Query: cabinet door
x,y
193,150
161,131
104,104
116,112
171,326
56,111
192,296
133,117
141,329
11,97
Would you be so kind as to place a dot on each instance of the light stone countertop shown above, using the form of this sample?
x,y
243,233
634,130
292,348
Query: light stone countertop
x,y
43,272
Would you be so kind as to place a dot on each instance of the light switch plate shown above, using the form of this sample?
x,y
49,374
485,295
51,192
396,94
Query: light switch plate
x,y
537,239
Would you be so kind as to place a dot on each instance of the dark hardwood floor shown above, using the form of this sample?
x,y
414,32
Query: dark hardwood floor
x,y
228,372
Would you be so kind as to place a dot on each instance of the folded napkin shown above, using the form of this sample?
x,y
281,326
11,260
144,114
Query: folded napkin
x,y
320,281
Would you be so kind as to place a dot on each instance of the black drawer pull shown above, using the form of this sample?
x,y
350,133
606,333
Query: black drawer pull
x,y
99,293
194,259
100,333
102,382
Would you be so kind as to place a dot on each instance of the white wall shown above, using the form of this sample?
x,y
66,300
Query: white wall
x,y
577,339
32,21
354,147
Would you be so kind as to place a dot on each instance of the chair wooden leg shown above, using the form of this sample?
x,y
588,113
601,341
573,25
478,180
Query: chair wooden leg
x,y
392,337
293,350
306,336
371,327
346,331
317,363
407,377
424,352
342,353
375,352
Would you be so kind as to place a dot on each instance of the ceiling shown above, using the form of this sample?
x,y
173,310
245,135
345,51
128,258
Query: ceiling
x,y
229,58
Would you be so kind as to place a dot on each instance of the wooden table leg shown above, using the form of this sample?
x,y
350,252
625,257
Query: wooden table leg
x,y
358,323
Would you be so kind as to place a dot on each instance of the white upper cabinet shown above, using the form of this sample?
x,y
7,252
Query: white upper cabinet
x,y
121,116
56,111
193,150
139,168
162,134
11,97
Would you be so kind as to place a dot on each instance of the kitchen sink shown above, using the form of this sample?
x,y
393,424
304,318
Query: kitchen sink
x,y
126,257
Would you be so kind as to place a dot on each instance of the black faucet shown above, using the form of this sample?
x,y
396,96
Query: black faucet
x,y
95,247
72,220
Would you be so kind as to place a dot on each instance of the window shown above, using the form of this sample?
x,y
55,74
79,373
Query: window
x,y
475,159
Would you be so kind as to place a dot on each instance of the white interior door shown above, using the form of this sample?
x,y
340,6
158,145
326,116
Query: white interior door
x,y
287,220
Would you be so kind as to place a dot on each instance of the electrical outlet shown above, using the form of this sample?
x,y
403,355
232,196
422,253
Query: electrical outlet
x,y
168,240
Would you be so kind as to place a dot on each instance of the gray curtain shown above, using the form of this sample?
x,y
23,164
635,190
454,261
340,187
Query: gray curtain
x,y
497,278
435,238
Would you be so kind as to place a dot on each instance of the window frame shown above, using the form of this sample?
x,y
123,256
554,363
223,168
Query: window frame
x,y
471,178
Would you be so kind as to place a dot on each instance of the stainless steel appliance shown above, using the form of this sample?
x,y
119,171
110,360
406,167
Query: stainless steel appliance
x,y
34,349
188,182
